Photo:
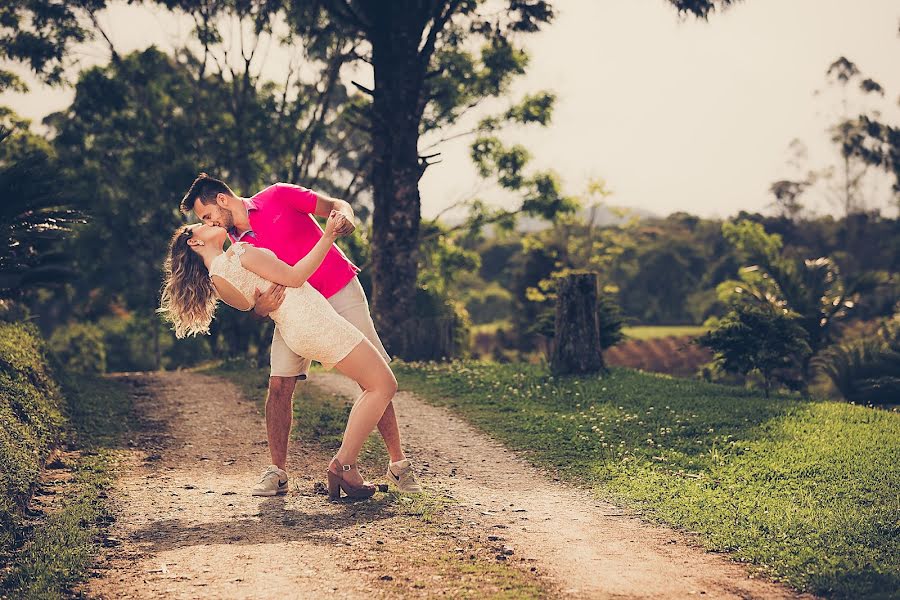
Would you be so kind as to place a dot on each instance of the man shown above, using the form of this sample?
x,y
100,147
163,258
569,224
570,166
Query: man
x,y
280,218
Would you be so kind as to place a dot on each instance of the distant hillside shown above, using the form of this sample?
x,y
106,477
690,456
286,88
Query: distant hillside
x,y
603,216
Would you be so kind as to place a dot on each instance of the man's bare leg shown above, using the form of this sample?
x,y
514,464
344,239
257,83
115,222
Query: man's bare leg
x,y
390,431
279,413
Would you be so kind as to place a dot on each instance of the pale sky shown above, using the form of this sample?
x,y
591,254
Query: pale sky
x,y
674,115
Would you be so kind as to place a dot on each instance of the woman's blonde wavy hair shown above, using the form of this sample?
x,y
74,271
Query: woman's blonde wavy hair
x,y
188,298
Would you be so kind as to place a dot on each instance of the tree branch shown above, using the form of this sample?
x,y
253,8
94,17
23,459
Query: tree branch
x,y
345,11
363,88
439,20
96,23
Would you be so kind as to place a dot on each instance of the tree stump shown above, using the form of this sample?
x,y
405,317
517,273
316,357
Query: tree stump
x,y
576,341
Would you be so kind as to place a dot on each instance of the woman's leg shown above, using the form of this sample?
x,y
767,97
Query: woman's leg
x,y
367,367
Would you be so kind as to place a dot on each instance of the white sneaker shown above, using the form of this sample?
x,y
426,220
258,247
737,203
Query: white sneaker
x,y
401,474
274,482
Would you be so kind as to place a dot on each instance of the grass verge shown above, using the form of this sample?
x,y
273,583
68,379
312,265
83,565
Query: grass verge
x,y
806,491
56,545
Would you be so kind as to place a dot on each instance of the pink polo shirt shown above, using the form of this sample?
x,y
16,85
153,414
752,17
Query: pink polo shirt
x,y
281,219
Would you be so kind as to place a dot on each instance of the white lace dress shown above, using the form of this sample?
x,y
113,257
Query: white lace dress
x,y
307,322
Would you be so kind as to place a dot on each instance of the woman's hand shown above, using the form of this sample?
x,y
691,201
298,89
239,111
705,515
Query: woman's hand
x,y
336,221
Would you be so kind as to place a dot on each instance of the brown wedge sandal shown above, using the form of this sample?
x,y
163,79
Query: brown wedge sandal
x,y
336,483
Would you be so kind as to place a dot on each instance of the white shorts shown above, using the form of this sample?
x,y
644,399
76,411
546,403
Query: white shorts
x,y
349,302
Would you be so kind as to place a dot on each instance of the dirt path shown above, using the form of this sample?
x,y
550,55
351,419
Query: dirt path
x,y
589,548
186,526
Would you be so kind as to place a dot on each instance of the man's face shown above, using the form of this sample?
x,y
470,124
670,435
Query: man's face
x,y
213,214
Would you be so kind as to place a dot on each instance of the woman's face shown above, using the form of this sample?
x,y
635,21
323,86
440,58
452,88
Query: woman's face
x,y
210,235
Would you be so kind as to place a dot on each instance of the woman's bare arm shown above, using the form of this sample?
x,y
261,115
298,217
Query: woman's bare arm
x,y
277,271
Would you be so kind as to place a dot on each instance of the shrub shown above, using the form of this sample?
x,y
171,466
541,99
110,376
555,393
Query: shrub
x,y
866,371
489,304
79,348
30,419
759,338
438,330
131,344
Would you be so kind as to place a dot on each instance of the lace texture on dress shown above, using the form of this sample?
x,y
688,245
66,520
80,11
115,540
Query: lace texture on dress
x,y
307,322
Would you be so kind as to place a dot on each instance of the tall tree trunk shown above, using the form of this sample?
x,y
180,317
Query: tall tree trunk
x,y
395,172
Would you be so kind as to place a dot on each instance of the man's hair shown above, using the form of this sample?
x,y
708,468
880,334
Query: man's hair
x,y
205,188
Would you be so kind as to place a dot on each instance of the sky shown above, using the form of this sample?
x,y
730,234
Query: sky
x,y
673,114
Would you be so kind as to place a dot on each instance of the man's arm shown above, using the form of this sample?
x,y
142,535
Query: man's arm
x,y
326,204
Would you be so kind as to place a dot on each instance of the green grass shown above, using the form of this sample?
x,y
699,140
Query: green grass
x,y
649,332
55,552
807,491
31,421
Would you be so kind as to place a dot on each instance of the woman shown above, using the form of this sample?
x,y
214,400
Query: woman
x,y
198,272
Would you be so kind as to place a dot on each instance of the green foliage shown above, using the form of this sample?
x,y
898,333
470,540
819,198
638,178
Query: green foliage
x,y
877,143
759,338
438,328
541,192
30,420
751,241
51,558
79,348
489,304
35,215
812,290
131,137
804,490
442,260
39,33
866,371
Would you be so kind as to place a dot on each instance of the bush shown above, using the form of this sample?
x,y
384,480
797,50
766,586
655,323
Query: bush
x,y
866,371
131,345
759,338
79,348
438,330
489,304
30,419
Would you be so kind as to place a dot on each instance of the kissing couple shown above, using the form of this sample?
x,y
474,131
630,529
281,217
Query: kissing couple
x,y
283,265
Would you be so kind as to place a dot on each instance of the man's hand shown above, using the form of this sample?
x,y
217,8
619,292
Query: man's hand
x,y
264,303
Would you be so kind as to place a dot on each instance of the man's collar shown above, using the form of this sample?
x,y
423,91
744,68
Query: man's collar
x,y
249,204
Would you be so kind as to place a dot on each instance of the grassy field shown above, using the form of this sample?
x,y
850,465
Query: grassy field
x,y
807,491
649,332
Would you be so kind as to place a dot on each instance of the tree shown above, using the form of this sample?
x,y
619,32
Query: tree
x,y
36,214
848,191
135,132
426,78
876,142
39,33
